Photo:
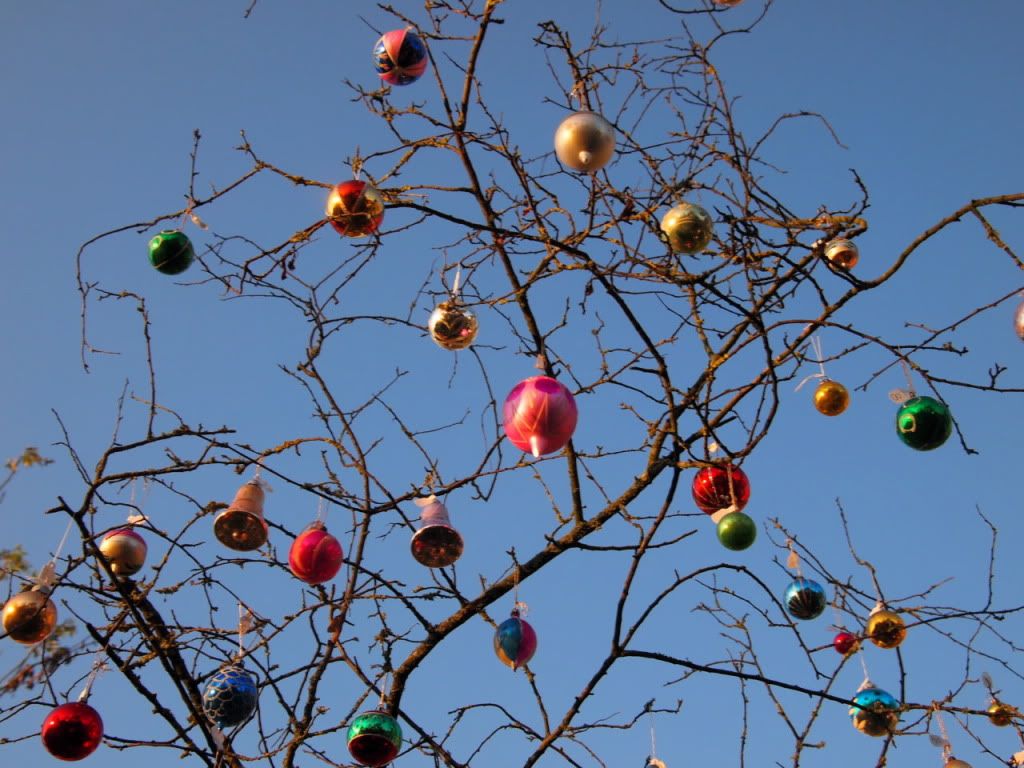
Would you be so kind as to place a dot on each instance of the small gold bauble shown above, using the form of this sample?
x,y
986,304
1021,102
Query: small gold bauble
x,y
452,326
952,762
688,227
29,617
886,629
842,253
1001,714
831,398
585,141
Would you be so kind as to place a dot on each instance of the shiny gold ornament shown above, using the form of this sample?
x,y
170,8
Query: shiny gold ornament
x,y
831,398
886,628
452,326
29,617
125,550
688,227
952,762
1001,714
842,253
585,141
241,526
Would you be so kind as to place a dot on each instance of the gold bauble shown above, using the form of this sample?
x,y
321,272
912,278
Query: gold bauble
x,y
585,141
831,398
1001,714
29,617
688,227
842,253
125,550
886,629
452,326
954,763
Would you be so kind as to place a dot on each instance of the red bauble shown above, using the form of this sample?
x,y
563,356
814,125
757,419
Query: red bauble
x,y
540,415
72,731
355,208
315,556
711,488
845,643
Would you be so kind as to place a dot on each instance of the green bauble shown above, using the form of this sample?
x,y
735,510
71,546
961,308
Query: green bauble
x,y
171,252
737,531
924,423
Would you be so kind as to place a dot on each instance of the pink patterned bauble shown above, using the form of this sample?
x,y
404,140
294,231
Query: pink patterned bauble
x,y
315,556
540,415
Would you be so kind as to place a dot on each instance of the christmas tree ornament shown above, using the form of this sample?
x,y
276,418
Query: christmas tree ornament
x,y
171,252
355,209
1018,321
831,398
315,555
374,738
737,531
952,762
540,415
515,642
72,731
125,551
230,696
452,326
805,599
924,423
842,253
720,486
885,628
241,526
727,3
400,57
846,643
688,228
585,141
29,617
875,712
1001,714
436,544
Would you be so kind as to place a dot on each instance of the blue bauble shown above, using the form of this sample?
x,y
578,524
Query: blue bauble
x,y
875,712
230,697
805,599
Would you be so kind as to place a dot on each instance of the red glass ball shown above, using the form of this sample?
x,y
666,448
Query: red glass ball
x,y
72,731
315,556
845,643
540,415
355,209
711,488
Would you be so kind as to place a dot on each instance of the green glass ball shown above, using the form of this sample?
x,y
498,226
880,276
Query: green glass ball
x,y
374,738
924,423
737,531
170,252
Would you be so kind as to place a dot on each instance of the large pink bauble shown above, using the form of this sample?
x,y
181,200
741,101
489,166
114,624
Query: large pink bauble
x,y
540,415
315,556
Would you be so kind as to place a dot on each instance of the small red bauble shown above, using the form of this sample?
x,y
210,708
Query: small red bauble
x,y
719,487
72,731
355,209
845,643
315,556
540,415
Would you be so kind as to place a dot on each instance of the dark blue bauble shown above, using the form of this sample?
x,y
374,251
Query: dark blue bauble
x,y
230,697
805,599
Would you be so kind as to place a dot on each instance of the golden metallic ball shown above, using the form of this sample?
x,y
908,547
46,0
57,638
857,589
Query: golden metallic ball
x,y
125,550
29,617
688,228
452,326
831,398
842,253
886,629
585,141
1001,714
954,763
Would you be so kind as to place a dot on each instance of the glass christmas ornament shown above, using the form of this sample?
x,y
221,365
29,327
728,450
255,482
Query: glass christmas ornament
x,y
355,209
315,555
1001,714
515,642
805,599
452,326
842,253
125,550
540,415
72,731
924,423
436,544
952,762
886,628
688,228
846,643
374,738
171,252
736,531
230,696
241,526
585,141
29,617
875,712
400,57
1018,321
720,486
831,398
727,3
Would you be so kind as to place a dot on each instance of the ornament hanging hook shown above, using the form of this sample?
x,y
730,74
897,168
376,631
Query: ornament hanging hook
x,y
816,347
99,665
245,618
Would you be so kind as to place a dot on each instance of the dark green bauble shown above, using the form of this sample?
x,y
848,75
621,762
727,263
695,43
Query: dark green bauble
x,y
737,531
171,252
924,423
374,739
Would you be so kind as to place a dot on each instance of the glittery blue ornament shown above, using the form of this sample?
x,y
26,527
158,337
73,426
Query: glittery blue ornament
x,y
230,696
875,712
805,599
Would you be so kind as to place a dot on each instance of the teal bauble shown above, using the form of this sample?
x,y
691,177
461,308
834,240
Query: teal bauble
x,y
171,252
875,712
924,423
737,531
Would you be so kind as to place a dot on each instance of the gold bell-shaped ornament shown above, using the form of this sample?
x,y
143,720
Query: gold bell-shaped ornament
x,y
436,544
842,253
241,526
29,617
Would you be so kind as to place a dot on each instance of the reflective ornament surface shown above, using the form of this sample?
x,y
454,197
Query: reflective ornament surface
x,y
515,642
241,526
315,555
539,415
727,3
452,326
886,629
805,599
400,57
842,253
436,544
737,531
230,696
831,398
952,762
846,643
125,550
355,209
171,252
29,617
585,141
1001,714
374,739
688,228
72,731
1018,321
875,712
720,486
924,423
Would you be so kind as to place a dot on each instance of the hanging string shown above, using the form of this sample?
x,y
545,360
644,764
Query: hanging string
x,y
244,625
99,665
383,690
134,518
578,92
47,575
793,561
321,513
519,608
456,284
257,478
943,740
816,347
902,395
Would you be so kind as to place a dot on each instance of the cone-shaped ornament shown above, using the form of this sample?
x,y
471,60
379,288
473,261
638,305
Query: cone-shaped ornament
x,y
436,544
241,526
